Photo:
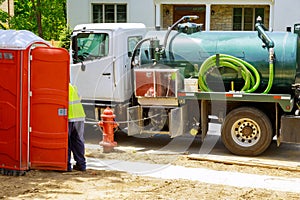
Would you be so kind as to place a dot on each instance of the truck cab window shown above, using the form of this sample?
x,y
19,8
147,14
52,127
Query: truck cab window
x,y
132,41
89,46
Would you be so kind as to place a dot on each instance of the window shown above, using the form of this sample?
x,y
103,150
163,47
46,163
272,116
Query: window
x,y
7,57
132,42
97,13
109,13
244,19
259,12
90,46
237,18
121,13
248,19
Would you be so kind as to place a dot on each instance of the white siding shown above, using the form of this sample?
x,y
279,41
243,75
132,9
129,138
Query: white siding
x,y
141,11
80,11
77,12
286,14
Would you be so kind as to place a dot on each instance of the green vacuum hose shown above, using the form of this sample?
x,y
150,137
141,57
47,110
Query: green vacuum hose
x,y
248,72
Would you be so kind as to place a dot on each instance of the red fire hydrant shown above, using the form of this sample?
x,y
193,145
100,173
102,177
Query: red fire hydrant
x,y
108,124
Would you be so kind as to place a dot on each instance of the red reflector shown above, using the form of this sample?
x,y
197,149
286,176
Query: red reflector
x,y
277,97
181,94
229,95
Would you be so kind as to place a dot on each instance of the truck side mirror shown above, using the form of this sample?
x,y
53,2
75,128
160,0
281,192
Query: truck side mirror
x,y
83,67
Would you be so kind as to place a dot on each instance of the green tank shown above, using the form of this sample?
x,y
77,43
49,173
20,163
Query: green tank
x,y
189,51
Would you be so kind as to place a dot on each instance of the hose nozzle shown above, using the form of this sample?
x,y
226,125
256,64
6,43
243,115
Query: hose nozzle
x,y
190,17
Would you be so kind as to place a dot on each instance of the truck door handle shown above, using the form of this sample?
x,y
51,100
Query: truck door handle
x,y
106,74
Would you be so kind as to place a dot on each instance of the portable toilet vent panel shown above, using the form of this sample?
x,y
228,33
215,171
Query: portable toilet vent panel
x,y
17,69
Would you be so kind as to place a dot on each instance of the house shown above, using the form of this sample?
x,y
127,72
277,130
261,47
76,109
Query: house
x,y
279,15
8,6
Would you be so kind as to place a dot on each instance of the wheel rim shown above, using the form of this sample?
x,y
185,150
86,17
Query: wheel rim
x,y
245,132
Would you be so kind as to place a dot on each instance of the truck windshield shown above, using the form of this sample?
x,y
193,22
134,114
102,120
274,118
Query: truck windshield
x,y
89,46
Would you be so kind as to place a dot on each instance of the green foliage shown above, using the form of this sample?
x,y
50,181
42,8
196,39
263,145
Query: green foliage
x,y
46,18
3,17
65,38
53,18
23,18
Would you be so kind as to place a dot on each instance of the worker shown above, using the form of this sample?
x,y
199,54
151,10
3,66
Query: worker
x,y
76,117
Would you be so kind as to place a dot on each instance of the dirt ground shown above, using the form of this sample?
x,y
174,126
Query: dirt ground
x,y
97,184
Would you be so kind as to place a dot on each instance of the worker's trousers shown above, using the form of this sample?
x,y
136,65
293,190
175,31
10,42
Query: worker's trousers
x,y
76,144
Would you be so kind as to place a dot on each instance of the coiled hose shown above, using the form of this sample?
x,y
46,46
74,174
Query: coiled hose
x,y
248,72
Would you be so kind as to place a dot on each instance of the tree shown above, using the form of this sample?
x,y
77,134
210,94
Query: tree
x,y
45,18
3,17
37,9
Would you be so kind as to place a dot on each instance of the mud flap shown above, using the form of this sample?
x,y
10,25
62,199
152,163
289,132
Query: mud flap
x,y
290,126
177,121
135,123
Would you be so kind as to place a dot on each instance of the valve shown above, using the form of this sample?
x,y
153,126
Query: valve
x,y
108,124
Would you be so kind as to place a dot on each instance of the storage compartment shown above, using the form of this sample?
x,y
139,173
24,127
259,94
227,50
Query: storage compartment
x,y
144,82
157,82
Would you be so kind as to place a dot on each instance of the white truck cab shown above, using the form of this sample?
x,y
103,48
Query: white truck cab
x,y
101,59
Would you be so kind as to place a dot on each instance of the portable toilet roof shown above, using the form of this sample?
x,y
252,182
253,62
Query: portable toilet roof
x,y
19,39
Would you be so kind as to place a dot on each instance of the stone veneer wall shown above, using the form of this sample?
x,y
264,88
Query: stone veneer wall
x,y
222,18
167,14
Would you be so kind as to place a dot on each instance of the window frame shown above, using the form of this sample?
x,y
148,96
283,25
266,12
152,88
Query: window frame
x,y
98,47
242,24
132,42
117,12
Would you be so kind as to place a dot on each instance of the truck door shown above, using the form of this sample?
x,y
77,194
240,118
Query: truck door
x,y
49,85
93,67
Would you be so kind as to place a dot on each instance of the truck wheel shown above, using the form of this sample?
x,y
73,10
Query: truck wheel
x,y
246,131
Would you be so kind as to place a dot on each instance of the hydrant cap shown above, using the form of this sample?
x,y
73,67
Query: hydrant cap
x,y
108,113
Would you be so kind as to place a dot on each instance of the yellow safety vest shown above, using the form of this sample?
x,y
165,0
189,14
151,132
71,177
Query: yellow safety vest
x,y
76,112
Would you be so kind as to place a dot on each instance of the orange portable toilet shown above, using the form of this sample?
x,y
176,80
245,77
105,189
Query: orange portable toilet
x,y
34,79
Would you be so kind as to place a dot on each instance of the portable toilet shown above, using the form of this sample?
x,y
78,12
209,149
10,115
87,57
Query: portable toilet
x,y
34,81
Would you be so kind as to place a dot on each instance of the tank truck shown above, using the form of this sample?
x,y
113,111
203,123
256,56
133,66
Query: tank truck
x,y
179,80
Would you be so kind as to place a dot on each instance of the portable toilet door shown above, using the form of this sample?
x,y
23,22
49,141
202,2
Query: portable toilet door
x,y
34,80
49,90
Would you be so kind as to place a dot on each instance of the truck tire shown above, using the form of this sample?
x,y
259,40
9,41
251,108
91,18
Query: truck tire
x,y
247,131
